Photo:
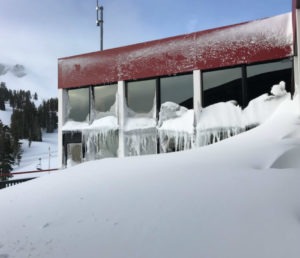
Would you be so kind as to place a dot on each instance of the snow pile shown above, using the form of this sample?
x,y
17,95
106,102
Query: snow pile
x,y
182,204
261,108
175,127
105,124
279,89
218,122
222,120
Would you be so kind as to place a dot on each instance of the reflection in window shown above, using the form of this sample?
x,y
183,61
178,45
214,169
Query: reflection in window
x,y
79,104
261,77
141,95
177,89
222,85
104,100
74,154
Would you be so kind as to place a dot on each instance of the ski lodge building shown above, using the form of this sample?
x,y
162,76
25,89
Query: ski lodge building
x,y
110,101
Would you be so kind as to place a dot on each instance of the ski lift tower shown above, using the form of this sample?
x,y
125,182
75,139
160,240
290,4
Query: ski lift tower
x,y
99,22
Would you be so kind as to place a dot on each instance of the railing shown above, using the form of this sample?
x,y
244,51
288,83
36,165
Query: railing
x,y
8,183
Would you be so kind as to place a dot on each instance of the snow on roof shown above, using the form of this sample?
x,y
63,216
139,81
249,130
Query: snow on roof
x,y
250,42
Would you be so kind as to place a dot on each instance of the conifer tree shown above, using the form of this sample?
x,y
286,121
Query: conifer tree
x,y
7,159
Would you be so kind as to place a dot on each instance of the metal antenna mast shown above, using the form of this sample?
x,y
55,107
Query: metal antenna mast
x,y
99,22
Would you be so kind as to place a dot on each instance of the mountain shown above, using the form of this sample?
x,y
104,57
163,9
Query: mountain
x,y
18,76
16,70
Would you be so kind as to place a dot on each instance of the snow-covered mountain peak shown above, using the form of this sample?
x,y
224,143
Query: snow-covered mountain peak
x,y
17,70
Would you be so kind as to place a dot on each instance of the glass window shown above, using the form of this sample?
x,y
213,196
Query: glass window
x,y
105,98
222,85
261,77
177,89
141,95
79,104
74,154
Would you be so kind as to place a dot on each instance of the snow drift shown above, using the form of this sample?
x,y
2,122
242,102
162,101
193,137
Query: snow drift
x,y
236,198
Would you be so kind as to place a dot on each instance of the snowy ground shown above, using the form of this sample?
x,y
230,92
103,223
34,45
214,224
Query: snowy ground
x,y
6,115
237,198
41,155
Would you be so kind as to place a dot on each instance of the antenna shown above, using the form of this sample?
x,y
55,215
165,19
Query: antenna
x,y
99,22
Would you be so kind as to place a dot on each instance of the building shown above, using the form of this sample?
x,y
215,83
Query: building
x,y
109,101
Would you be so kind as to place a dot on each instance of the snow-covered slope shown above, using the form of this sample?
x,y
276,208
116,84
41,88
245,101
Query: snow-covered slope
x,y
237,198
39,154
42,155
5,116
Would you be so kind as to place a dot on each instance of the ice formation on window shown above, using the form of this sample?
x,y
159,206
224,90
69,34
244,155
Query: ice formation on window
x,y
100,143
176,129
140,135
217,122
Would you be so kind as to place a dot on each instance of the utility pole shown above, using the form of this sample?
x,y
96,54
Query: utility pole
x,y
99,22
49,158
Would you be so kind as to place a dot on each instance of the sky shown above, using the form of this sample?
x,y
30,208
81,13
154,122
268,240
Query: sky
x,y
36,33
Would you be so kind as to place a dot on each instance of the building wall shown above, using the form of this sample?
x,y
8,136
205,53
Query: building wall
x,y
204,54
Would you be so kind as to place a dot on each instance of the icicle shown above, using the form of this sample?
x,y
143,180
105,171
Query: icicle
x,y
100,143
174,141
213,135
140,142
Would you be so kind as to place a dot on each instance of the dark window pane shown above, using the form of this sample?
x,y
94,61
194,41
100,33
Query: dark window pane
x,y
177,89
222,85
141,95
105,98
261,77
79,104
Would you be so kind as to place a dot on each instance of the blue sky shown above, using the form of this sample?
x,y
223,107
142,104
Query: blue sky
x,y
35,33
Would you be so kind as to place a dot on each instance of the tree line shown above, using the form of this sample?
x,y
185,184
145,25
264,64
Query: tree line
x,y
27,122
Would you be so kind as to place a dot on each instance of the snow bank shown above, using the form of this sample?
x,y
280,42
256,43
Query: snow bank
x,y
104,123
176,127
222,200
261,108
218,122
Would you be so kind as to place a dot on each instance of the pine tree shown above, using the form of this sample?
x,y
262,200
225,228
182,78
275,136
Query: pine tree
x,y
7,159
3,95
47,114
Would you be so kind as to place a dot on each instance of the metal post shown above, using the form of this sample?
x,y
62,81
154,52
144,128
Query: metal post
x,y
49,158
99,22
